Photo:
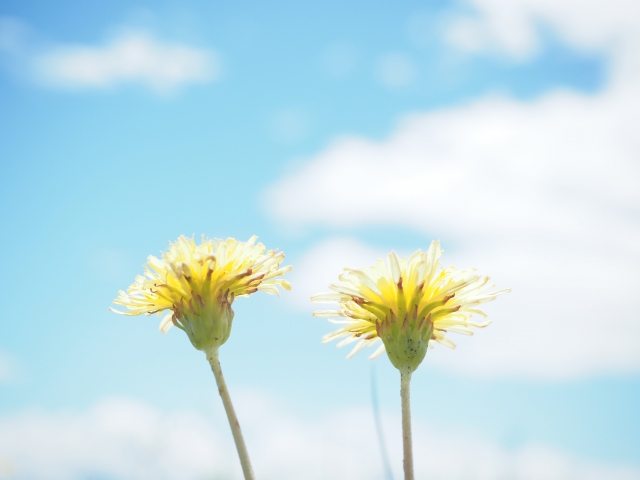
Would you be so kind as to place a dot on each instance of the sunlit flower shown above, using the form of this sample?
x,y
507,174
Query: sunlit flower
x,y
197,284
406,303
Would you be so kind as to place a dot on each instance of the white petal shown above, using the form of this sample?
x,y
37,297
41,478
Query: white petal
x,y
378,352
329,298
347,341
328,313
166,323
357,348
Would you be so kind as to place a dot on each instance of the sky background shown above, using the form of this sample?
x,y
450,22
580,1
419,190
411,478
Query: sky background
x,y
336,132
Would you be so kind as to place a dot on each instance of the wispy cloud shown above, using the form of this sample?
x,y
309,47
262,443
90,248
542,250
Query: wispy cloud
x,y
512,27
135,58
123,439
130,57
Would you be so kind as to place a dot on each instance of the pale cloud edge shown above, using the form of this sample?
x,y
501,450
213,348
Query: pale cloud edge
x,y
541,195
123,438
512,27
128,57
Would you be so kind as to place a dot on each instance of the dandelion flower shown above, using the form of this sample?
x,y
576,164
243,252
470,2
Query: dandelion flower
x,y
197,284
407,303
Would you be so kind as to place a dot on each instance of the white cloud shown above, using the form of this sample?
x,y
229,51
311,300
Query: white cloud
x,y
395,70
542,195
122,439
115,439
128,57
455,168
511,25
131,58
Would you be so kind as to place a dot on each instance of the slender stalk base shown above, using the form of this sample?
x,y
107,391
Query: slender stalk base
x,y
212,356
405,380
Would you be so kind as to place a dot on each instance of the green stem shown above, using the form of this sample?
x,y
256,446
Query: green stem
x,y
405,380
212,356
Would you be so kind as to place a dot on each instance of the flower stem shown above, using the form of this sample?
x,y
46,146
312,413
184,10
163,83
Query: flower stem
x,y
212,356
405,380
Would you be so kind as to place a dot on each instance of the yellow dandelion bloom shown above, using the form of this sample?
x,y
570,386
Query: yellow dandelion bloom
x,y
406,303
197,284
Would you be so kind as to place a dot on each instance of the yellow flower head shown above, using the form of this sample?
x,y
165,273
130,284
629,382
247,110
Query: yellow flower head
x,y
198,283
406,303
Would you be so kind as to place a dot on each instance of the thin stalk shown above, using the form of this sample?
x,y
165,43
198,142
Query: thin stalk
x,y
212,356
405,380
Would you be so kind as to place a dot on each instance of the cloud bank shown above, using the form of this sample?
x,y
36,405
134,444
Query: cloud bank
x,y
124,439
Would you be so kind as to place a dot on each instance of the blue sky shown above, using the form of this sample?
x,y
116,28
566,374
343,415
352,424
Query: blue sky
x,y
336,133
